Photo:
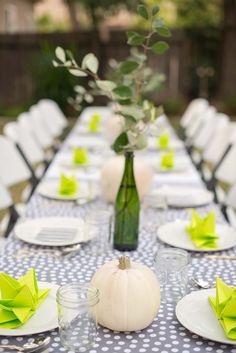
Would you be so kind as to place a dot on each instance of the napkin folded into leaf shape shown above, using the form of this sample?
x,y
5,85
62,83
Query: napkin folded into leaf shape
x,y
80,156
224,307
94,123
19,299
68,185
167,160
202,231
164,140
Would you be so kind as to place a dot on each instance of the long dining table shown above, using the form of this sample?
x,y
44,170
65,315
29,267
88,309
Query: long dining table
x,y
165,334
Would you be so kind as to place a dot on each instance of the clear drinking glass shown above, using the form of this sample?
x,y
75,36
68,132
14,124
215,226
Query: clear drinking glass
x,y
172,271
155,212
98,227
77,319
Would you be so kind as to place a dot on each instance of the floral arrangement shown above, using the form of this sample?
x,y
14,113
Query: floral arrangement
x,y
133,78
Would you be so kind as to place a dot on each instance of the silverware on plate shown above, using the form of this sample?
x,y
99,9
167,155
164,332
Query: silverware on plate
x,y
201,283
221,257
33,346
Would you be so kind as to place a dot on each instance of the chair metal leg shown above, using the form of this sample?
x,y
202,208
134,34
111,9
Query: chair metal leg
x,y
12,220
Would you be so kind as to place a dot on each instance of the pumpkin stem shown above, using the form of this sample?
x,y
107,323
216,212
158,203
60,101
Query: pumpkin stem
x,y
124,263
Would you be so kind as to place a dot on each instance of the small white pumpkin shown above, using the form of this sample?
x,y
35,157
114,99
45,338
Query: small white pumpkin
x,y
112,172
113,127
129,295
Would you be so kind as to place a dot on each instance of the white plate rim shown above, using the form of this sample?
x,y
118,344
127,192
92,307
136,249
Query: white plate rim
x,y
179,310
57,197
184,223
37,242
21,331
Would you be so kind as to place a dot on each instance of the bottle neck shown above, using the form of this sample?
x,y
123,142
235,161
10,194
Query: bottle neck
x,y
128,175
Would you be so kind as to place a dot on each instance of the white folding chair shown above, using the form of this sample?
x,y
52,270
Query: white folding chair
x,y
229,207
31,151
6,203
52,111
49,121
196,124
194,109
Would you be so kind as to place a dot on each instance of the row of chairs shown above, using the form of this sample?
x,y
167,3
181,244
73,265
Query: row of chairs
x,y
210,139
26,149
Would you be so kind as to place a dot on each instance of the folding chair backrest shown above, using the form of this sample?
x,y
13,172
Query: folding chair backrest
x,y
231,197
195,107
198,122
226,172
218,144
25,140
13,168
5,197
30,120
207,130
51,109
49,120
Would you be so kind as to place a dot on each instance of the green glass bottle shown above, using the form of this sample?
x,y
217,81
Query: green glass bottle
x,y
127,207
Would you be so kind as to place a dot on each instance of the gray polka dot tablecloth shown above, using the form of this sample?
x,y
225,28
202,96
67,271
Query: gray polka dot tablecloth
x,y
165,334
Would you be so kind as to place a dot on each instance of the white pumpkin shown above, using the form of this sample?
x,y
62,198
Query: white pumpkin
x,y
129,295
112,172
113,128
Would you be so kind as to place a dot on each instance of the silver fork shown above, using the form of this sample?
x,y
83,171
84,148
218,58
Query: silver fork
x,y
56,234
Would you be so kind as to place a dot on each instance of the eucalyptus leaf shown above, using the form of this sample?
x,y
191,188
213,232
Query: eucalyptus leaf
x,y
155,10
163,31
158,23
123,92
128,66
133,111
120,142
69,54
60,54
77,72
160,47
135,38
105,85
88,98
90,62
79,89
142,11
141,141
55,63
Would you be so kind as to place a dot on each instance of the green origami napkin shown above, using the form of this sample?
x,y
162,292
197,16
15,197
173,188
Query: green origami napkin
x,y
94,123
167,160
202,231
68,185
224,307
163,140
19,299
80,156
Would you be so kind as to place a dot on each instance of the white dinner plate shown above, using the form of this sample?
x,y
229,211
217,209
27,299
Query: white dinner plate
x,y
28,230
184,196
195,313
174,234
44,319
50,189
66,161
174,144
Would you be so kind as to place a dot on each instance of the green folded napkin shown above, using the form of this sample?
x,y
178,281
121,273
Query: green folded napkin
x,y
19,299
68,185
163,140
80,156
202,231
167,160
224,307
94,122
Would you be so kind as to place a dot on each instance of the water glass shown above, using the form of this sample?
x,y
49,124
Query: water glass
x,y
172,271
77,304
155,208
98,227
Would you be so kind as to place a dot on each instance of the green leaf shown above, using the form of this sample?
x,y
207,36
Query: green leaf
x,y
90,62
141,142
133,111
124,101
135,38
164,32
120,142
159,47
69,54
105,85
155,10
60,54
142,11
158,23
128,66
123,92
77,73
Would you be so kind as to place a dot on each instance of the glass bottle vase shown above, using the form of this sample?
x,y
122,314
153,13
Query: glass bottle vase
x,y
127,208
